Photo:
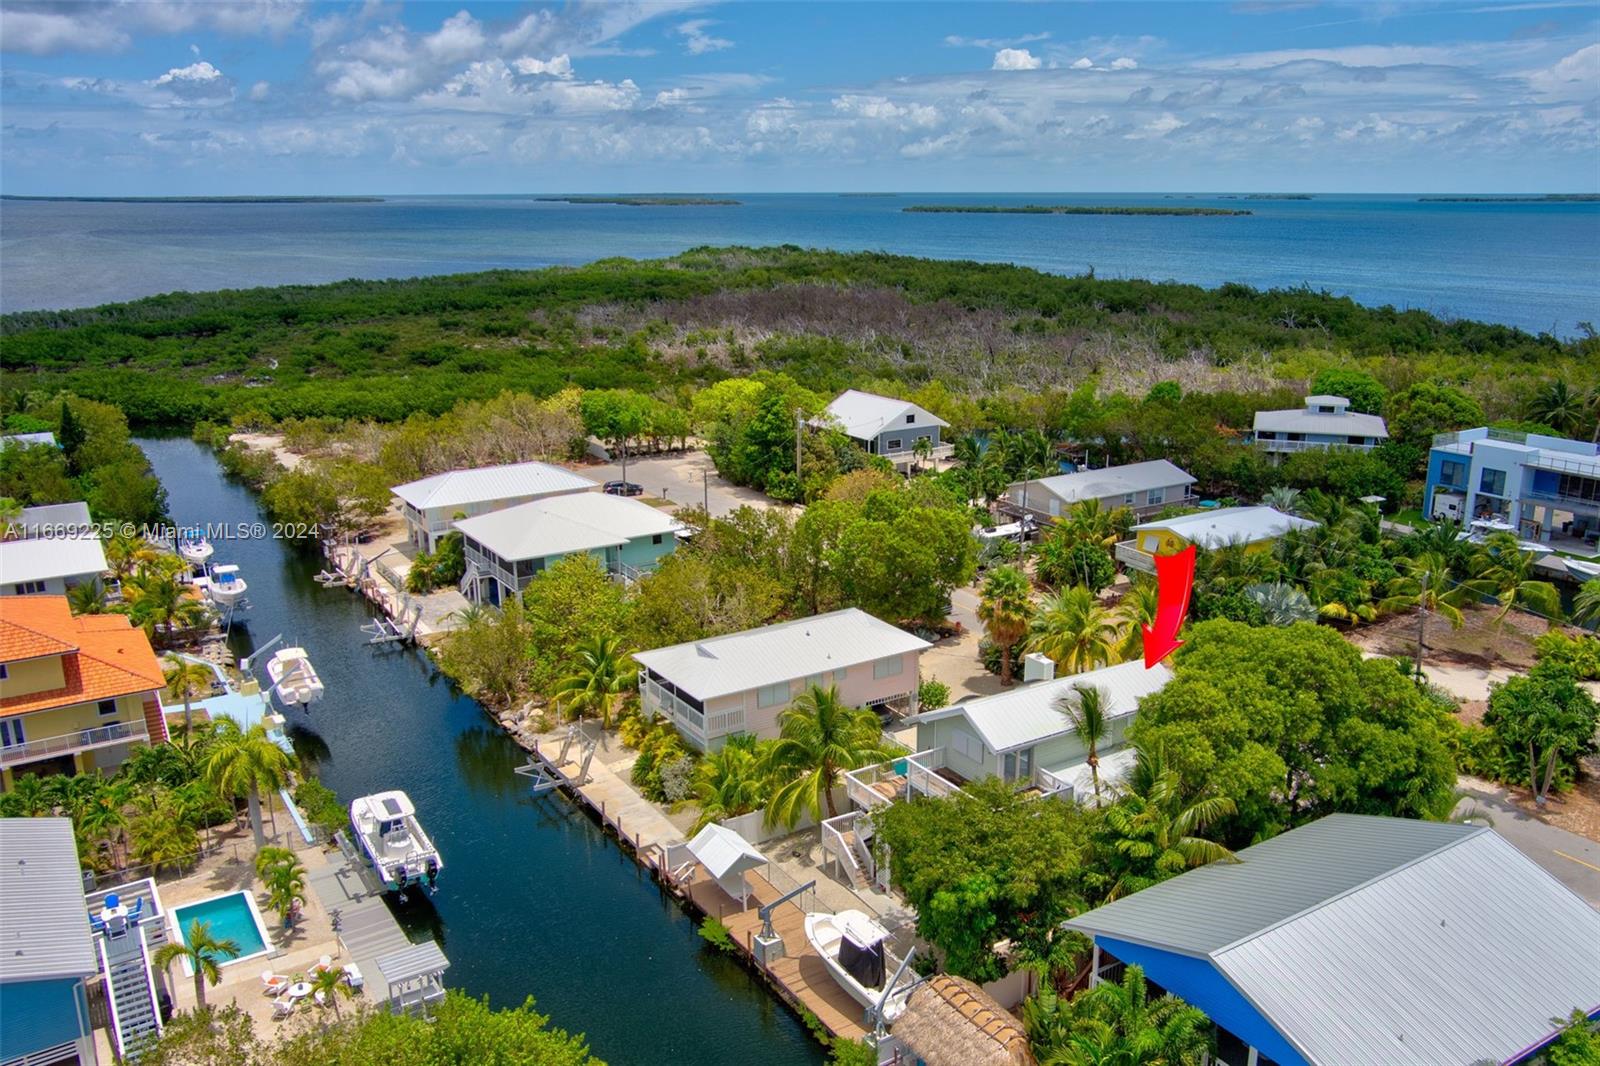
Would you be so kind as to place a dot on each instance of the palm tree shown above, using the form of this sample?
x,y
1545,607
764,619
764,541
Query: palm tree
x,y
160,834
1558,406
203,952
284,879
10,517
1282,498
332,985
1089,521
29,797
731,781
1154,830
186,679
106,820
1005,608
125,552
1115,1023
88,598
922,449
161,605
1085,711
245,763
819,738
1137,610
1075,630
1586,607
599,676
1501,569
1282,604
1425,586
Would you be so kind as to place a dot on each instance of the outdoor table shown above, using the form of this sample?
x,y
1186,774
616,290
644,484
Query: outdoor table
x,y
300,990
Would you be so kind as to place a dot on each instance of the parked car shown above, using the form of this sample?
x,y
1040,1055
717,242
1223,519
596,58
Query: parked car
x,y
623,488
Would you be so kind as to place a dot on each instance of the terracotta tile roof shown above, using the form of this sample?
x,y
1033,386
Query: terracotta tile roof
x,y
102,656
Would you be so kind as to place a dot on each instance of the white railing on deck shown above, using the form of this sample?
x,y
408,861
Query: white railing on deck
x,y
922,776
77,740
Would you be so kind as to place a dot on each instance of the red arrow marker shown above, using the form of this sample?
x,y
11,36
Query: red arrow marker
x,y
1174,580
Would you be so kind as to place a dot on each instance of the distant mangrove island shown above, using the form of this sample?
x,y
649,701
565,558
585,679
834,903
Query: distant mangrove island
x,y
201,199
643,201
1548,198
1064,209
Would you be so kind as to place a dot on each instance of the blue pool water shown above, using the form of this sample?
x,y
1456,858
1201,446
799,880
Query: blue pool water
x,y
230,918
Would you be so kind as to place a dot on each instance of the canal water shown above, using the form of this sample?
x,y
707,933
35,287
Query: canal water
x,y
534,899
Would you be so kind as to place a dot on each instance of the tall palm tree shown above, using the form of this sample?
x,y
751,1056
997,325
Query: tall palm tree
x,y
87,598
161,605
28,797
1089,521
1282,498
1586,607
819,738
1137,610
245,763
1501,569
1075,630
204,954
333,986
1425,586
1154,830
186,680
1085,710
125,552
1116,1023
731,781
1558,406
1005,609
599,677
105,820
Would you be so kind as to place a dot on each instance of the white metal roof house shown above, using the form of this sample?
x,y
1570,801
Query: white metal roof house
x,y
1019,735
506,549
50,564
430,504
886,426
27,440
1144,488
49,951
1324,422
1357,939
1253,528
51,520
741,682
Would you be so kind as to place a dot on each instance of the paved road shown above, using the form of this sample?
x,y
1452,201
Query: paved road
x,y
688,479
1574,860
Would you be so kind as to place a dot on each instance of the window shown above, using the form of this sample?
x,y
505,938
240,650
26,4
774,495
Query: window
x,y
11,733
5,671
911,419
772,695
893,445
1155,496
839,674
108,708
1018,765
656,539
29,588
1356,440
1492,482
1127,500
966,744
1267,434
1297,436
1453,474
1327,409
891,667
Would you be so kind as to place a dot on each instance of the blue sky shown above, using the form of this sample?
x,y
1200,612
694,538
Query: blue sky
x,y
158,97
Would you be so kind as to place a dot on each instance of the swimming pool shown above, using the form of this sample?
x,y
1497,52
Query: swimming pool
x,y
231,917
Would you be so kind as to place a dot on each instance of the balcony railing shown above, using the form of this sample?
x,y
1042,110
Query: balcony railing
x,y
661,701
923,777
1129,555
878,785
1310,445
940,451
78,740
1049,785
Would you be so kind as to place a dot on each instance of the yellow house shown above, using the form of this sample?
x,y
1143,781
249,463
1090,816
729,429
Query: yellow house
x,y
75,693
1256,528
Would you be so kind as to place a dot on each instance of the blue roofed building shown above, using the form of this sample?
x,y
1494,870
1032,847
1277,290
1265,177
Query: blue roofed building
x,y
49,951
1542,488
1364,940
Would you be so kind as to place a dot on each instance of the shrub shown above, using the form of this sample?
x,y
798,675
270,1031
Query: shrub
x,y
717,935
932,694
1061,565
677,779
989,654
321,806
1581,655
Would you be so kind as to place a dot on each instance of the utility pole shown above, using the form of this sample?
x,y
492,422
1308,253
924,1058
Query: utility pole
x,y
705,491
799,423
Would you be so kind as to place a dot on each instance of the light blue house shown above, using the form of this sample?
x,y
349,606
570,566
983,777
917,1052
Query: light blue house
x,y
1544,488
1324,422
49,951
1357,939
506,549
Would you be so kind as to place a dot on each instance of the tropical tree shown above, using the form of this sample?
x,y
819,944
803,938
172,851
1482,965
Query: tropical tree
x,y
186,679
1075,630
599,677
1281,603
1116,1023
1088,521
246,763
160,832
819,738
332,985
105,819
161,605
203,952
1545,721
284,879
1282,498
1586,607
1085,711
1559,406
10,517
126,552
1136,610
28,797
87,598
1427,588
1005,609
732,780
1501,569
1155,830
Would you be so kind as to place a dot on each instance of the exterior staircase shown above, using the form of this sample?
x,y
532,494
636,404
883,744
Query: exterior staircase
x,y
130,992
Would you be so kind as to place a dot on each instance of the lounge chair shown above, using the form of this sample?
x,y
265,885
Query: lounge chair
x,y
321,997
273,984
283,1007
353,978
323,964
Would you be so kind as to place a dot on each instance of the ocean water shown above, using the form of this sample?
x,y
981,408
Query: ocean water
x,y
1533,265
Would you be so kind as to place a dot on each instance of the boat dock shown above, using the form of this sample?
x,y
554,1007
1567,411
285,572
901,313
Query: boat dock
x,y
396,972
798,974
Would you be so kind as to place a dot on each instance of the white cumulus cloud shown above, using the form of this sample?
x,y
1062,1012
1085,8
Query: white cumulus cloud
x,y
1016,59
697,40
1082,63
1124,63
194,72
555,67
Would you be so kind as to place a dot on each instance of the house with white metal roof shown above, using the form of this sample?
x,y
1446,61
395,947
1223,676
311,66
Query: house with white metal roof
x,y
742,682
49,951
51,520
27,440
1324,422
30,566
1020,735
1144,488
507,549
1358,939
429,505
1251,528
886,426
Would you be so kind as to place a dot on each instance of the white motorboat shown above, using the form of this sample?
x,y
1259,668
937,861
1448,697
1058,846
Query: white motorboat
x,y
1482,529
193,547
851,944
393,842
294,680
225,587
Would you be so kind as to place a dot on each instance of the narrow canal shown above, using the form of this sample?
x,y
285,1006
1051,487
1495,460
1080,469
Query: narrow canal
x,y
534,900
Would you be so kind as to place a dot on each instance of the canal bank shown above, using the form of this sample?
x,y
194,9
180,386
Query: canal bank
x,y
536,899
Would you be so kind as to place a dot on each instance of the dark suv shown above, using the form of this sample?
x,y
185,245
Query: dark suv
x,y
623,488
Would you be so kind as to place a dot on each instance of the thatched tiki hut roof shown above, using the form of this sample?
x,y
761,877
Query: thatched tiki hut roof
x,y
952,1022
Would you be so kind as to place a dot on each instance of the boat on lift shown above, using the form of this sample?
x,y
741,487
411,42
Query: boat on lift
x,y
1481,529
393,842
224,585
851,944
294,679
193,547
